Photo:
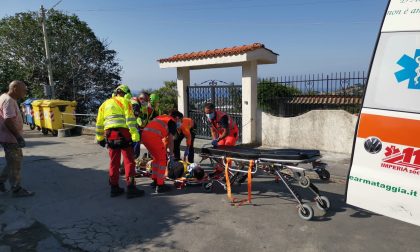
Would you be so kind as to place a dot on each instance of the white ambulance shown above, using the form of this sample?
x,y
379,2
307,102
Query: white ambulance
x,y
385,170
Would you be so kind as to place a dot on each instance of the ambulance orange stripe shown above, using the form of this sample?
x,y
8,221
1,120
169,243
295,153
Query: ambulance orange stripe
x,y
390,129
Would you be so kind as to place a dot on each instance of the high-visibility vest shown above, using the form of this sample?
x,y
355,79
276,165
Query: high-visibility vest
x,y
159,125
215,123
116,113
146,116
136,105
187,124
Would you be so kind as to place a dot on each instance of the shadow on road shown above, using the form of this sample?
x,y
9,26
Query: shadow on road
x,y
264,187
337,200
34,144
74,204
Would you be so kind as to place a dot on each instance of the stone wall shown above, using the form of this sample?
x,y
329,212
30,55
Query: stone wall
x,y
327,130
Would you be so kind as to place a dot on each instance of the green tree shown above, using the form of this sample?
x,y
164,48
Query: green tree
x,y
271,95
84,68
168,96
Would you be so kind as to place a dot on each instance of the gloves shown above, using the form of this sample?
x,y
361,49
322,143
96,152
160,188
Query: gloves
x,y
21,142
187,152
102,143
214,142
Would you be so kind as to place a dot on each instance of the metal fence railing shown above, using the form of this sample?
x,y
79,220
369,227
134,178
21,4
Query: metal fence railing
x,y
226,98
294,95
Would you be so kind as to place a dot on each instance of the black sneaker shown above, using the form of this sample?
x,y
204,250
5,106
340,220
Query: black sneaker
x,y
134,192
21,192
116,191
162,189
3,188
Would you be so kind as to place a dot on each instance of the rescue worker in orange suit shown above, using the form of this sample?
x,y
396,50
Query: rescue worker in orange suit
x,y
156,136
116,128
224,130
186,130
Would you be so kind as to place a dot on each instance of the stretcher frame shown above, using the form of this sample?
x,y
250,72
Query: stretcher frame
x,y
271,166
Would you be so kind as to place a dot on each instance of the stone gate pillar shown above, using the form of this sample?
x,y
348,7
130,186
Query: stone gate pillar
x,y
249,102
183,81
245,56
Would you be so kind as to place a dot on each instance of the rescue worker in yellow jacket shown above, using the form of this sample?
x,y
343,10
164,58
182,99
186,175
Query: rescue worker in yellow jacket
x,y
136,111
149,110
116,128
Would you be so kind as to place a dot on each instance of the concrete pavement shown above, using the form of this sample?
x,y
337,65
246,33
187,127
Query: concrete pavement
x,y
72,211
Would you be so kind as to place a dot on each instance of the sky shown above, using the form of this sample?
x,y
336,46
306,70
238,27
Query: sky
x,y
310,36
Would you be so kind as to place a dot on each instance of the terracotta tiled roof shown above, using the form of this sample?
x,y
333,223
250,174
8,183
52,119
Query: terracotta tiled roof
x,y
315,99
215,53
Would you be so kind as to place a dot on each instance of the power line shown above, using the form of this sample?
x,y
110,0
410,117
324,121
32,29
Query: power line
x,y
224,7
267,24
56,4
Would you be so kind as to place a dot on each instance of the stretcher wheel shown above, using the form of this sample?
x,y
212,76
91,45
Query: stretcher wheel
x,y
322,203
323,174
32,126
304,181
208,187
305,212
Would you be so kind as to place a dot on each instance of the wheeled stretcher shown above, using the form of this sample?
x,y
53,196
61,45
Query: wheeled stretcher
x,y
235,164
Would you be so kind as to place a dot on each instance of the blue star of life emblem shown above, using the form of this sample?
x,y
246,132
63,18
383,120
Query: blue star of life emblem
x,y
410,71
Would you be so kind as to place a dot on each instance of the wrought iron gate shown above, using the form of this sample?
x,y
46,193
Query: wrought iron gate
x,y
226,97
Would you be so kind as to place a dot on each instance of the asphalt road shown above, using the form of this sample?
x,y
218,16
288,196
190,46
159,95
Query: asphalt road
x,y
72,211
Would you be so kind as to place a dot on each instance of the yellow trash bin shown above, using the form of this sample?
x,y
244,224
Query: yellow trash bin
x,y
57,112
38,114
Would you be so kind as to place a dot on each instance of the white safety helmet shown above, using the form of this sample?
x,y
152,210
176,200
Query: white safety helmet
x,y
191,167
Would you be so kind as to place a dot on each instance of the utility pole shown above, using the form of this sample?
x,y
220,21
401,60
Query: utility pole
x,y
47,52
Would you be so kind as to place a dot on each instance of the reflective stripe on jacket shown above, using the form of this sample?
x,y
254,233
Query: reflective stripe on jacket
x,y
116,113
147,116
159,125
